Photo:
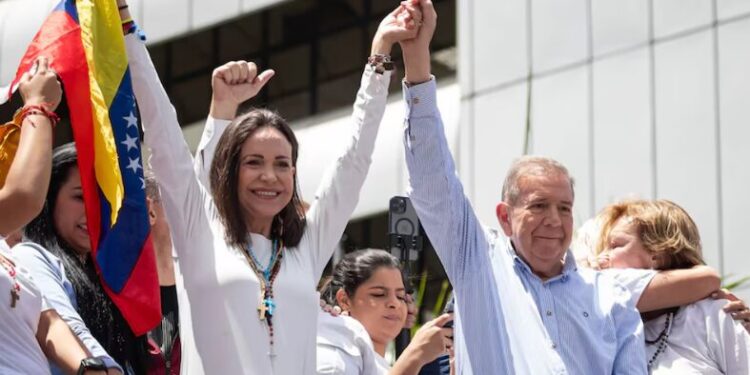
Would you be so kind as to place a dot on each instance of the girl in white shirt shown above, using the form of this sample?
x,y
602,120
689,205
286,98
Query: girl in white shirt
x,y
369,287
699,338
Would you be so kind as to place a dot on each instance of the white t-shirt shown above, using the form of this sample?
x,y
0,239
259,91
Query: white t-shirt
x,y
345,348
703,340
19,350
635,280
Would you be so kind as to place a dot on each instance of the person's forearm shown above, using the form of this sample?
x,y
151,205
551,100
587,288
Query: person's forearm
x,y
678,287
222,110
26,184
407,364
59,343
124,10
417,65
380,46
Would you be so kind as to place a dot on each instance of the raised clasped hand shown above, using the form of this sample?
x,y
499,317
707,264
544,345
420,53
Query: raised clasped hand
x,y
40,86
234,83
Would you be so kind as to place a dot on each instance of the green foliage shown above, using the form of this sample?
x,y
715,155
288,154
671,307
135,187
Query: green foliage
x,y
734,285
439,303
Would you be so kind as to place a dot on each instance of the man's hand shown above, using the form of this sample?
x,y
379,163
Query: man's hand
x,y
40,86
399,25
234,83
417,50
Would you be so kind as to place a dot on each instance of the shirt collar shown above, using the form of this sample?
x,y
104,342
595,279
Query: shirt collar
x,y
569,267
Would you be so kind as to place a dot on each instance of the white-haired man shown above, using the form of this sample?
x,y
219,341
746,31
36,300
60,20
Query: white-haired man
x,y
522,306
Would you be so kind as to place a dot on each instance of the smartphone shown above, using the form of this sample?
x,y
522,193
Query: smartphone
x,y
404,230
449,309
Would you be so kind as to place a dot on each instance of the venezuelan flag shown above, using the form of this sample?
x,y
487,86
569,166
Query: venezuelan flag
x,y
85,43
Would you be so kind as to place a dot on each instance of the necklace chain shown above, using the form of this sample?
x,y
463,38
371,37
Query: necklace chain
x,y
661,340
266,277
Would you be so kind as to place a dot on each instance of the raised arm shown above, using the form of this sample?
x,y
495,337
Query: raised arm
x,y
232,83
436,191
22,196
338,193
183,196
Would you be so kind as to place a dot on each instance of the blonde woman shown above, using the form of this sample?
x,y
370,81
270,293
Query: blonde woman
x,y
697,338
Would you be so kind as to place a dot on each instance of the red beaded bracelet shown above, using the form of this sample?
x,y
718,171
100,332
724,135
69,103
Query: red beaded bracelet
x,y
29,110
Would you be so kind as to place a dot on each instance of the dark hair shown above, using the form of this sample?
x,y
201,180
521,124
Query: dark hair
x,y
354,269
289,224
101,316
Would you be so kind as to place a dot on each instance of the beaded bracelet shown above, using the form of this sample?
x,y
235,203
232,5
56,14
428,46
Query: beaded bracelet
x,y
380,62
30,110
128,26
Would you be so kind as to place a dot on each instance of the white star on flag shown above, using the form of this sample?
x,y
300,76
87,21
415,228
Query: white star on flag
x,y
134,164
130,142
131,119
143,183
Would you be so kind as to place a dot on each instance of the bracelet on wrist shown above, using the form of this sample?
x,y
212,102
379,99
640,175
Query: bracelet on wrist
x,y
121,7
38,110
381,63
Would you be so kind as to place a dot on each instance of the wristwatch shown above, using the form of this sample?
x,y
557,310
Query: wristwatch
x,y
95,364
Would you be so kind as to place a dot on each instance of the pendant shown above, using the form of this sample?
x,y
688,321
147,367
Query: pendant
x,y
270,306
262,310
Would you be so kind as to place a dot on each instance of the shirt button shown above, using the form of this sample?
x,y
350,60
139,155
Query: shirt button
x,y
554,346
415,101
549,313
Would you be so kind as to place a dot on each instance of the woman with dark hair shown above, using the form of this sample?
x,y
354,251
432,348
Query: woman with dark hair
x,y
249,256
60,261
31,332
369,288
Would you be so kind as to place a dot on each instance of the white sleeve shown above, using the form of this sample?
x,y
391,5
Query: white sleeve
x,y
635,280
184,197
338,192
334,361
204,155
728,341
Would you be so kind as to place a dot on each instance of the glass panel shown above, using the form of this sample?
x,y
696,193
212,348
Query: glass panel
x,y
686,132
559,32
673,16
734,58
623,163
619,24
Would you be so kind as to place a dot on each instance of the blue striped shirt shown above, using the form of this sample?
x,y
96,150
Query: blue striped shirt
x,y
510,321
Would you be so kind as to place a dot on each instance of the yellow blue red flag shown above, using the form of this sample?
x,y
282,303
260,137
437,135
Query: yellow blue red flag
x,y
85,42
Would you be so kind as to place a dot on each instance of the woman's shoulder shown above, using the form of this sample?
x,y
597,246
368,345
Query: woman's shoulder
x,y
344,333
707,307
708,312
28,252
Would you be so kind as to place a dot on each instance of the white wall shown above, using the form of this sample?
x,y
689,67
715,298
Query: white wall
x,y
638,98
